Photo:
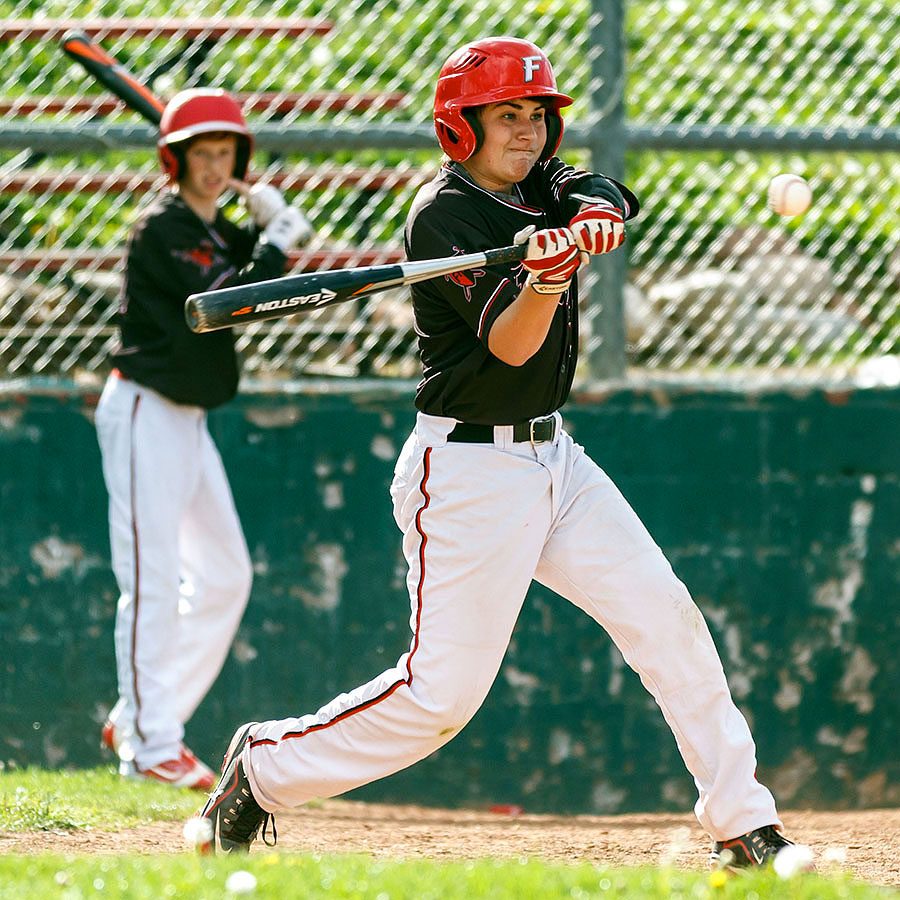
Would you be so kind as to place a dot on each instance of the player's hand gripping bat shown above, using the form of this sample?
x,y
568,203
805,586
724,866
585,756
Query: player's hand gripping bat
x,y
112,75
278,297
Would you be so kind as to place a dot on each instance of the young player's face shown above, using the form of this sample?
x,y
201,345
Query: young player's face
x,y
515,132
209,163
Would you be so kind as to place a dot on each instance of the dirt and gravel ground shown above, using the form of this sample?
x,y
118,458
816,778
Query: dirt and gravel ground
x,y
864,843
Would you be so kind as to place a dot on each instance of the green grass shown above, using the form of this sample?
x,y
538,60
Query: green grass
x,y
281,875
33,799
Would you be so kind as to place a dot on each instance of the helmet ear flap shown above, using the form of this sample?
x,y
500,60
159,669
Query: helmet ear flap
x,y
447,137
470,114
170,161
554,132
242,158
455,135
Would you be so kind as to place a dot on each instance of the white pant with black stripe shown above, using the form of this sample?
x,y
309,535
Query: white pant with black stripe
x,y
179,557
479,522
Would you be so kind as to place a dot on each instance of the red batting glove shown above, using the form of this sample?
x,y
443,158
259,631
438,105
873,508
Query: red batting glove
x,y
598,228
551,260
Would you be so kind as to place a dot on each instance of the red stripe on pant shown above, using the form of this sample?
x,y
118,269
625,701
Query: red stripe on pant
x,y
423,487
136,589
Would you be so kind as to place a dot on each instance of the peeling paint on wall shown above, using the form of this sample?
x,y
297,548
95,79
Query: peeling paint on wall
x,y
838,594
243,651
268,416
560,746
852,742
13,426
523,684
383,447
789,693
788,779
855,684
333,495
329,566
56,557
606,798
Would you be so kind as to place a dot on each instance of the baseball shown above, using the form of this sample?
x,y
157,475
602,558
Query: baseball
x,y
792,859
240,882
198,833
789,195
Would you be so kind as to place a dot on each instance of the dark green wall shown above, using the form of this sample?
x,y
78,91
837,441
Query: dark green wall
x,y
781,512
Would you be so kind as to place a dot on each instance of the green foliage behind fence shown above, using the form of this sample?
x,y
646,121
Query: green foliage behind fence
x,y
715,281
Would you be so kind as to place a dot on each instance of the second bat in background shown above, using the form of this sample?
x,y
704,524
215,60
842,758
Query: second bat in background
x,y
110,73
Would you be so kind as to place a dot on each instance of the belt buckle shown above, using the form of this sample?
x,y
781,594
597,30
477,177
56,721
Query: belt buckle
x,y
540,420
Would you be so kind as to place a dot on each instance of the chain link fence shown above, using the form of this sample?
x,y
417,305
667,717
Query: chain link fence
x,y
697,104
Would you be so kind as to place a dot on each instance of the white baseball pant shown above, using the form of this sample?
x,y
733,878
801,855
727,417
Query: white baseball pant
x,y
479,522
179,557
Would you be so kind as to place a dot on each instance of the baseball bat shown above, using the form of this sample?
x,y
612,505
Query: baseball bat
x,y
212,310
278,297
112,75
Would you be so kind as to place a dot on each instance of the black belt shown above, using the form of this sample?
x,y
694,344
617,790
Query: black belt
x,y
538,431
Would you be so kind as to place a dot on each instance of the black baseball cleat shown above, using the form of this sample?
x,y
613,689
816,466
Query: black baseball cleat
x,y
756,848
231,810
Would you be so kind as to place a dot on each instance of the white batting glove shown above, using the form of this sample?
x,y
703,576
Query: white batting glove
x,y
598,227
264,202
551,260
288,229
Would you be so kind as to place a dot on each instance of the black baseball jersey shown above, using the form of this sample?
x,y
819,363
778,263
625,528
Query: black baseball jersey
x,y
450,216
172,253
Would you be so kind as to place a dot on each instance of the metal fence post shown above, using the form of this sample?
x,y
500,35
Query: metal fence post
x,y
606,142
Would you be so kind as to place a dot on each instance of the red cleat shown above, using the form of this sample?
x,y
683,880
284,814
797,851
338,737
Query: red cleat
x,y
185,771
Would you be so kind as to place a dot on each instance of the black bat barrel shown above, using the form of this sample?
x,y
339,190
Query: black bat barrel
x,y
278,297
285,296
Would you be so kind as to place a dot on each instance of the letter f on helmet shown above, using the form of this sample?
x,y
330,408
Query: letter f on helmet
x,y
532,64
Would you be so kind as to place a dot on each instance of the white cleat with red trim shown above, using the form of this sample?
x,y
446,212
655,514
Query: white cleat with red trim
x,y
185,771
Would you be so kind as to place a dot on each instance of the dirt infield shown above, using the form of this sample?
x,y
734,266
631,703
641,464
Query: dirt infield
x,y
864,843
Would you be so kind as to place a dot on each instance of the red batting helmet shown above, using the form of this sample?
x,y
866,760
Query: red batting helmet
x,y
488,71
199,111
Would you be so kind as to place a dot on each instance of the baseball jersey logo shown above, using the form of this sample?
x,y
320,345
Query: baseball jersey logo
x,y
204,256
532,64
465,279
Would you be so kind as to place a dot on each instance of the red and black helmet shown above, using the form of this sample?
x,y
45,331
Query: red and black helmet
x,y
489,71
201,111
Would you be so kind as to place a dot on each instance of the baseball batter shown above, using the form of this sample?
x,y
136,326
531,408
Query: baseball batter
x,y
177,547
490,492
